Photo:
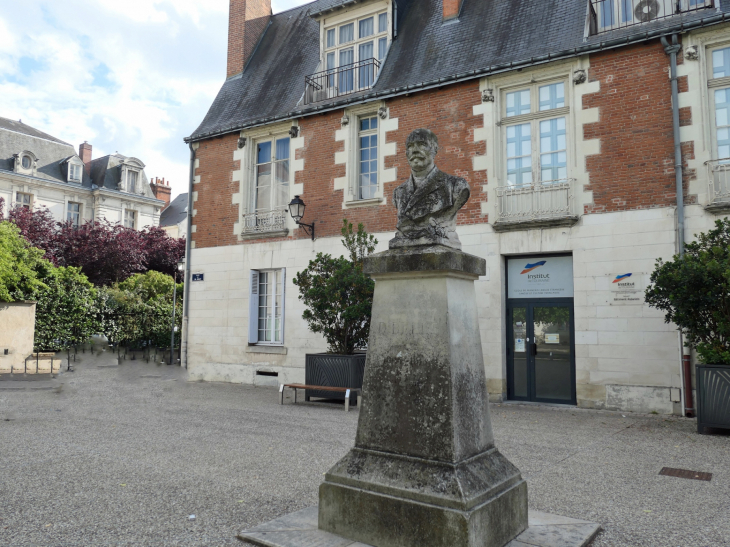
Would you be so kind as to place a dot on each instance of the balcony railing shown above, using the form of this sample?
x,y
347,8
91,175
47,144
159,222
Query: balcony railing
x,y
718,172
340,81
608,15
262,222
547,200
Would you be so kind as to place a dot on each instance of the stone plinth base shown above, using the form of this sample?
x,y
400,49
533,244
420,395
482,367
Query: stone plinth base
x,y
398,501
300,530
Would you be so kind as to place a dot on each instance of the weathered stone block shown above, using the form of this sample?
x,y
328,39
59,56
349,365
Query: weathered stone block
x,y
424,470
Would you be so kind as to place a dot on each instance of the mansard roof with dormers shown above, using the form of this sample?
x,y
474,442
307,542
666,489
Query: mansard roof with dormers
x,y
488,37
52,155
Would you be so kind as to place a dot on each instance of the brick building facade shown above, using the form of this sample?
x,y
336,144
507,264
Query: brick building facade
x,y
558,116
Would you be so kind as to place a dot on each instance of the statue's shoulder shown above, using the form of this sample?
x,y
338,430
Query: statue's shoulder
x,y
457,183
402,189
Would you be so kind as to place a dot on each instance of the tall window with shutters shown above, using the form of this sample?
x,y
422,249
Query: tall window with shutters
x,y
266,307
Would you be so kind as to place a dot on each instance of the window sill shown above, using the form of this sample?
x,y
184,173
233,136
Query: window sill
x,y
718,206
275,350
364,202
511,226
263,235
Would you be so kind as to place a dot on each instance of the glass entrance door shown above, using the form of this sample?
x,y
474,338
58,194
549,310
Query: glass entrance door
x,y
540,352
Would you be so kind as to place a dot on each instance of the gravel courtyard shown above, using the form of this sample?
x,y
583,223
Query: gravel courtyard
x,y
125,455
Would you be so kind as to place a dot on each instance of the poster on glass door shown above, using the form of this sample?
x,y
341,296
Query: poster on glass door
x,y
540,277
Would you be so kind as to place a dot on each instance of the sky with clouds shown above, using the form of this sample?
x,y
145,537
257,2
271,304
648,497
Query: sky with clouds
x,y
133,77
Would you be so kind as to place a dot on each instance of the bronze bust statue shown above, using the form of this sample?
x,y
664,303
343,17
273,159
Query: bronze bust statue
x,y
429,200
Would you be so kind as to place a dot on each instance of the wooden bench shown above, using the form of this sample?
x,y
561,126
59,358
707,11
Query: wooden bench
x,y
345,390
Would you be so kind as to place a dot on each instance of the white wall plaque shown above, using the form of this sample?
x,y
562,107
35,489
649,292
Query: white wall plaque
x,y
627,288
540,277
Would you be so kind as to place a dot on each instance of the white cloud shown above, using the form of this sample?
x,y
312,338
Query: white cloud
x,y
134,77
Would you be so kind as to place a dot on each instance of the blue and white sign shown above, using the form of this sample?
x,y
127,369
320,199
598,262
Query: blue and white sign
x,y
540,277
198,277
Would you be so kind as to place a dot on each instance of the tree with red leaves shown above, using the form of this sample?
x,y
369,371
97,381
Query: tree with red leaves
x,y
162,251
106,253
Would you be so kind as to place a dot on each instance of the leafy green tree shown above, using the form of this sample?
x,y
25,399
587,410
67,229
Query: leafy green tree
x,y
338,295
66,310
138,311
21,266
694,292
150,285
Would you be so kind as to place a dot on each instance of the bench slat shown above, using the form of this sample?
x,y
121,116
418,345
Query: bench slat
x,y
321,388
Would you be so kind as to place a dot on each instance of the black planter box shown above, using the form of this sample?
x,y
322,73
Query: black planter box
x,y
713,397
326,369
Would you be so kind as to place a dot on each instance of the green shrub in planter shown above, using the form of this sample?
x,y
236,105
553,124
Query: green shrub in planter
x,y
693,291
338,295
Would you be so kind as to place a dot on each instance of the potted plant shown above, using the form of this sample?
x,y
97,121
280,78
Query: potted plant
x,y
694,292
339,299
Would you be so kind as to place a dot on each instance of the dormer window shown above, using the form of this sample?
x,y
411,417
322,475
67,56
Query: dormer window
x,y
74,172
608,15
131,181
354,43
25,163
131,176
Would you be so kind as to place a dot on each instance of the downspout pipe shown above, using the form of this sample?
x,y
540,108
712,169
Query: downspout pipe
x,y
672,50
188,242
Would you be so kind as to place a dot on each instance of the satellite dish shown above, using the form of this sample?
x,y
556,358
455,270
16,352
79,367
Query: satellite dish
x,y
647,10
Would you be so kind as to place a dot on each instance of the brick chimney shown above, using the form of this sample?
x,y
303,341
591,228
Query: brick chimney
x,y
247,20
161,190
452,9
85,155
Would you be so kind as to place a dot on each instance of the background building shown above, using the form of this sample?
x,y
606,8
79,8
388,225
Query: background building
x,y
558,113
174,218
37,169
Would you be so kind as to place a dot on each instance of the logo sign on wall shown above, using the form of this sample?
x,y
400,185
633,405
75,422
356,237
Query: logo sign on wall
x,y
199,277
540,277
627,288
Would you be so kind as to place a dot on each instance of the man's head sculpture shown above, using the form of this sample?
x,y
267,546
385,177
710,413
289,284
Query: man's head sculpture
x,y
429,200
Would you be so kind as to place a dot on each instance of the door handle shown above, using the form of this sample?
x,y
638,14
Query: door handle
x,y
534,349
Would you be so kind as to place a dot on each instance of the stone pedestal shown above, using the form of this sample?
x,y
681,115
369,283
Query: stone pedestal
x,y
424,469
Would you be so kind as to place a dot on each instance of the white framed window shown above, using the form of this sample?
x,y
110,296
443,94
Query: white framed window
x,y
130,218
73,213
535,120
26,162
351,43
24,200
367,157
266,306
719,84
131,183
74,172
271,174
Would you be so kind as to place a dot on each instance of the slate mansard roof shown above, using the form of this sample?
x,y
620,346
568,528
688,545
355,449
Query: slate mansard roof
x,y
176,212
491,36
16,137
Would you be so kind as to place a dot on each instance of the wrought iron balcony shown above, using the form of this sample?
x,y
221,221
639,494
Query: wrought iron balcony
x,y
262,222
340,81
608,15
718,174
543,201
